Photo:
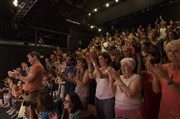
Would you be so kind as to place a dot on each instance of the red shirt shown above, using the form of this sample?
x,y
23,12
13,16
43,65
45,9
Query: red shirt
x,y
170,100
36,84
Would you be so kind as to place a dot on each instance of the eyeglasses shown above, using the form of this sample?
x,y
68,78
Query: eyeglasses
x,y
67,102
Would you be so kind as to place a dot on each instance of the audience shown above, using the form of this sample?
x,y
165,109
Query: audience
x,y
119,89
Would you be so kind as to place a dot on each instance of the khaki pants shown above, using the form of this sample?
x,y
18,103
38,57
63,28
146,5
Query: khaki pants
x,y
30,98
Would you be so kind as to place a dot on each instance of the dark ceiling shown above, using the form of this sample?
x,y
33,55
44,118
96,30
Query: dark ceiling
x,y
56,16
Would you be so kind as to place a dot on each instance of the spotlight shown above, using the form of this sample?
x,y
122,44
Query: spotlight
x,y
99,30
107,4
95,9
92,26
89,14
15,3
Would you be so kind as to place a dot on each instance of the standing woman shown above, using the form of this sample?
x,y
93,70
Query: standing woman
x,y
127,90
82,81
166,79
104,98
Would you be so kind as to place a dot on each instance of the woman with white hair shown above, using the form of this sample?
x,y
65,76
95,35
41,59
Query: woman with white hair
x,y
127,90
166,79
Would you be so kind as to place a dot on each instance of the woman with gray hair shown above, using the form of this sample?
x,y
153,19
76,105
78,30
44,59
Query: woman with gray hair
x,y
166,79
127,90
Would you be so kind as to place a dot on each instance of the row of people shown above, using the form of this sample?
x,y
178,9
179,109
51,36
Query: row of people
x,y
111,87
97,66
130,85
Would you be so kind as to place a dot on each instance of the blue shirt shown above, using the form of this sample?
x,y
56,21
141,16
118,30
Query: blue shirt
x,y
44,115
72,115
69,86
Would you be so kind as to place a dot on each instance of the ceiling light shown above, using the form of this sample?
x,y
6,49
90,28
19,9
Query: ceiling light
x,y
89,14
116,0
95,9
92,26
15,3
107,4
99,30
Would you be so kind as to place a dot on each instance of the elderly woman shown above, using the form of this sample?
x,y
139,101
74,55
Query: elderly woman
x,y
127,90
166,79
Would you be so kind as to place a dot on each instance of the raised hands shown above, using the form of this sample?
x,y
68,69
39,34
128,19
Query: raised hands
x,y
90,57
13,73
70,75
58,65
156,70
93,57
113,73
86,56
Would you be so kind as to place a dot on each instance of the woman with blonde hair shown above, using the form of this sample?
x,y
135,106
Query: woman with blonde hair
x,y
166,79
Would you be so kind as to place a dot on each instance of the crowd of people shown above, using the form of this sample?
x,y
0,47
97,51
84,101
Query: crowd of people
x,y
136,73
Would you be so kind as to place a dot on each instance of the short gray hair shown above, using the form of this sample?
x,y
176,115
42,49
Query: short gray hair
x,y
130,61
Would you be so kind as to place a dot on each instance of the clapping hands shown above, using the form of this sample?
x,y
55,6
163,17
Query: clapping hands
x,y
156,70
112,73
13,73
90,57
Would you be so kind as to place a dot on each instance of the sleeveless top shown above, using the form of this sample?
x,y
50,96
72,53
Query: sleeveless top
x,y
122,101
162,33
102,89
82,91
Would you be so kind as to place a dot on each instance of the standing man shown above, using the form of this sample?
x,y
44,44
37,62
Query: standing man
x,y
70,68
33,80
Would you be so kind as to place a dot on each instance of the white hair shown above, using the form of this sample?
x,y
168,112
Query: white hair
x,y
130,61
